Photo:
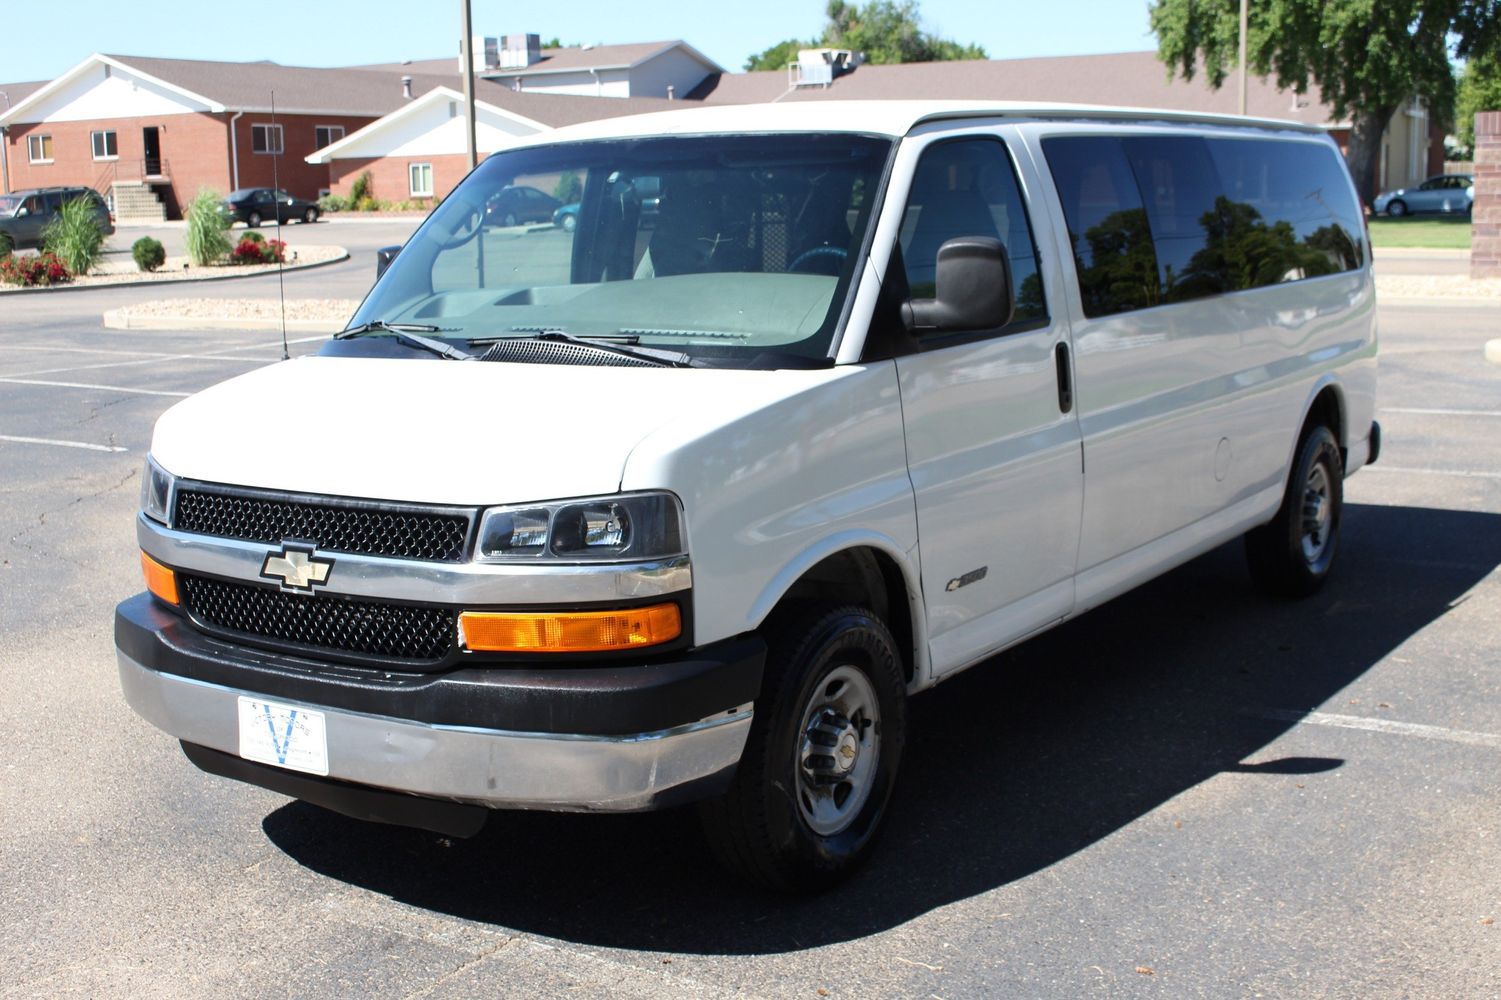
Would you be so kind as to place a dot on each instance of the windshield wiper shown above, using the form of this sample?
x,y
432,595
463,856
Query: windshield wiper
x,y
614,344
409,334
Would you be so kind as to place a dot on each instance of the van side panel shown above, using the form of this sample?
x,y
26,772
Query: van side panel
x,y
822,467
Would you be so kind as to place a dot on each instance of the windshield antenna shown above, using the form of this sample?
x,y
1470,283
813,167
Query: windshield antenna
x,y
281,288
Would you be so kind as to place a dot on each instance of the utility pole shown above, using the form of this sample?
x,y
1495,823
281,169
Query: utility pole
x,y
1244,20
467,48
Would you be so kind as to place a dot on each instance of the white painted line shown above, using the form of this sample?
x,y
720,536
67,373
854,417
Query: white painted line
x,y
1462,473
1440,413
91,385
216,358
62,444
1489,740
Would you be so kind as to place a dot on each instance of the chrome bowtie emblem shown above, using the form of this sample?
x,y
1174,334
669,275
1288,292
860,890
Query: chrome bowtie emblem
x,y
296,568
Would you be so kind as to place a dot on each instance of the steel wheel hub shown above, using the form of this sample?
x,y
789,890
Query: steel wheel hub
x,y
1318,512
838,749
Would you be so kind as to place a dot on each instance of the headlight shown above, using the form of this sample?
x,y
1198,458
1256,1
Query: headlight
x,y
156,491
627,528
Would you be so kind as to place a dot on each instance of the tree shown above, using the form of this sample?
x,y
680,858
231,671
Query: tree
x,y
1367,57
1479,90
885,31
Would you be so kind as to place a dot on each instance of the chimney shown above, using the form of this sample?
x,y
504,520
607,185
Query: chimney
x,y
406,87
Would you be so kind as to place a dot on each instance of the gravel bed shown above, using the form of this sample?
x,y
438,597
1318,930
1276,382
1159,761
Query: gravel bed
x,y
121,269
297,309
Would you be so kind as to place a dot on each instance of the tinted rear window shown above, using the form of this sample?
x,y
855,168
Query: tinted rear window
x,y
1158,219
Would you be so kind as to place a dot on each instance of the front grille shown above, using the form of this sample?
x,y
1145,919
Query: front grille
x,y
398,533
360,628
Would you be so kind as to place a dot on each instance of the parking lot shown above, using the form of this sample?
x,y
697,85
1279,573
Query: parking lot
x,y
1190,792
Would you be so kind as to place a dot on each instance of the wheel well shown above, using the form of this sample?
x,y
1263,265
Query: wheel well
x,y
1328,409
867,577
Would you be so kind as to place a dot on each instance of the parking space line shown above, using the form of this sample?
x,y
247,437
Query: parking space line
x,y
91,385
62,444
1490,741
1463,473
140,361
1440,413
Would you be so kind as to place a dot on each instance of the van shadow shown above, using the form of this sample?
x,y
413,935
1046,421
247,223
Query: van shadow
x,y
1010,767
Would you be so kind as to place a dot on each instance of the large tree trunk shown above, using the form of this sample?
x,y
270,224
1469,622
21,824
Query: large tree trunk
x,y
1368,127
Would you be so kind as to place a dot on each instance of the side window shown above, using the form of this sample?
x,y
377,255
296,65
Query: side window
x,y
967,187
1178,183
1107,224
1291,212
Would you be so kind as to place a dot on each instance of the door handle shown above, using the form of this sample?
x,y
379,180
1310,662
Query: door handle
x,y
1065,378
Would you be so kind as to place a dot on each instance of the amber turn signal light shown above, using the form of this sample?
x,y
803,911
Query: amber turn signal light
x,y
569,632
160,580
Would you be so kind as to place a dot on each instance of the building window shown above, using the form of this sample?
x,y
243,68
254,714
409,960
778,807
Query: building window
x,y
327,135
105,145
422,180
266,139
39,148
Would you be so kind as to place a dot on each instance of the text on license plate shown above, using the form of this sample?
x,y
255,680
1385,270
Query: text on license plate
x,y
284,735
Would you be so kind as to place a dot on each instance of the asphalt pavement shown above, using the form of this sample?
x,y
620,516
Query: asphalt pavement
x,y
1190,792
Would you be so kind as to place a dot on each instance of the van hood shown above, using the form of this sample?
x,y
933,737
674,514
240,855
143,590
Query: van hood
x,y
430,431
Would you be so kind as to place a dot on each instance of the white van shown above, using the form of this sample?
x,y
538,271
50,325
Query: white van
x,y
797,412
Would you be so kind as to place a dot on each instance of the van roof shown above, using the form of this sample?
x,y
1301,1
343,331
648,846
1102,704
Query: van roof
x,y
894,118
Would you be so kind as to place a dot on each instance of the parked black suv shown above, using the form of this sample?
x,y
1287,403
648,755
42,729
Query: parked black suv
x,y
24,214
255,206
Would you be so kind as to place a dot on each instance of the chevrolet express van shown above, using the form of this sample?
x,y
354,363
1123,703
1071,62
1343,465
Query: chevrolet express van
x,y
684,501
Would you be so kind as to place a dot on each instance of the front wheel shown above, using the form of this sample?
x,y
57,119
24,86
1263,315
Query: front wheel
x,y
821,760
1291,555
1397,209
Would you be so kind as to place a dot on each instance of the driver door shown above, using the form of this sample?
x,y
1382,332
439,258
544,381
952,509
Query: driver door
x,y
993,444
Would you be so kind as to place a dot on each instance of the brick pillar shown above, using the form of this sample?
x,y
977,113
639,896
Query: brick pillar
x,y
1485,224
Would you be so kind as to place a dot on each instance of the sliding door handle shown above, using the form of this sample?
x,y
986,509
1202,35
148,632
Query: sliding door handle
x,y
1065,378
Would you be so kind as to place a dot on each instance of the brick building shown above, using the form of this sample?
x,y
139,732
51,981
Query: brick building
x,y
164,128
421,150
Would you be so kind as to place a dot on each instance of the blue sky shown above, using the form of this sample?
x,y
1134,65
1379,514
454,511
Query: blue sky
x,y
341,32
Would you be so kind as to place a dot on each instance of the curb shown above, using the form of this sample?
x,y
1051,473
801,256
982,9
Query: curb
x,y
1493,351
287,269
121,319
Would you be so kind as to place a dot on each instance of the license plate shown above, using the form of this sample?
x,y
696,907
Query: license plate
x,y
283,735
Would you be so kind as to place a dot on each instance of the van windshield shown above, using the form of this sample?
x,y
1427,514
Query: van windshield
x,y
730,249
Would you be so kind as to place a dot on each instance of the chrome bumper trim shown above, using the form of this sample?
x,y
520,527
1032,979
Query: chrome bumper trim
x,y
488,767
426,582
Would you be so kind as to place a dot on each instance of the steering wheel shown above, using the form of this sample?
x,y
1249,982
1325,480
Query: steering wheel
x,y
838,253
468,228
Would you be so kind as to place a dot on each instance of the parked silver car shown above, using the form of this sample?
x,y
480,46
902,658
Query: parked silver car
x,y
1444,193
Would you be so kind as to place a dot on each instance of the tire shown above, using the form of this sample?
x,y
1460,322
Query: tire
x,y
252,220
1397,209
796,820
310,216
510,219
1292,554
569,223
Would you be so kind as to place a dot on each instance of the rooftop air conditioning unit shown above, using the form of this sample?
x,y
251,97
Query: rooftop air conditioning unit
x,y
820,67
520,51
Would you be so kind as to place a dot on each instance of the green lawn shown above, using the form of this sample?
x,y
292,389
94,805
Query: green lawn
x,y
1450,232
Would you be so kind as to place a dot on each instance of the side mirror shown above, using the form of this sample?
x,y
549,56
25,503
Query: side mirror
x,y
383,258
973,286
22,212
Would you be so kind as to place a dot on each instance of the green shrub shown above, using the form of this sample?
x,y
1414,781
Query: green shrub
x,y
569,188
149,254
74,235
208,229
361,189
7,245
333,203
253,236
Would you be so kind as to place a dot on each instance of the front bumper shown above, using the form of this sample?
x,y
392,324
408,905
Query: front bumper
x,y
618,738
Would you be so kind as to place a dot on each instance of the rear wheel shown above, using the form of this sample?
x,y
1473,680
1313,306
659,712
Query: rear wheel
x,y
311,215
253,219
1292,554
820,762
